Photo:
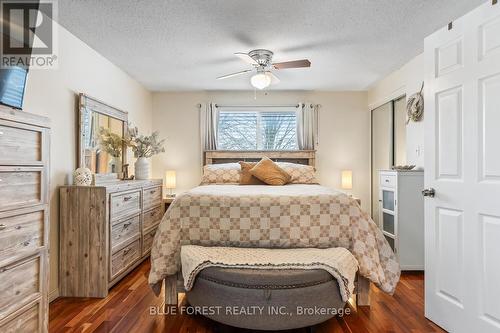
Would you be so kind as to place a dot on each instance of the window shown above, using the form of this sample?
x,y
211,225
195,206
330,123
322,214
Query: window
x,y
257,130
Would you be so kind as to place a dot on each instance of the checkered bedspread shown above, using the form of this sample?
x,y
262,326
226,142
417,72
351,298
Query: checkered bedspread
x,y
291,216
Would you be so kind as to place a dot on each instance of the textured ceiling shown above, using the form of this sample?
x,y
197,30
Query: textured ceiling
x,y
186,44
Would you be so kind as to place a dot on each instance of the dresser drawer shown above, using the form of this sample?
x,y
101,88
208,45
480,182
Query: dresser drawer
x,y
125,204
26,320
152,197
147,241
125,257
22,230
124,231
20,143
20,284
21,187
388,181
152,217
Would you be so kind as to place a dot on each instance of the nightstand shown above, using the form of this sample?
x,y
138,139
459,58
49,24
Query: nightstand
x,y
167,201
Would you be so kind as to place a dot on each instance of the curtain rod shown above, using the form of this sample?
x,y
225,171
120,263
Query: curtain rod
x,y
257,106
260,106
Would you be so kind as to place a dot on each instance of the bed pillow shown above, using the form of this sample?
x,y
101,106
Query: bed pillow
x,y
246,178
300,173
270,173
224,173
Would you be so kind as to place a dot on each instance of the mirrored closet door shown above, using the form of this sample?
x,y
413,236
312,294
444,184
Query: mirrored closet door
x,y
388,144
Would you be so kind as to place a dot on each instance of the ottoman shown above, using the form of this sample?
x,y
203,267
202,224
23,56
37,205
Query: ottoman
x,y
266,299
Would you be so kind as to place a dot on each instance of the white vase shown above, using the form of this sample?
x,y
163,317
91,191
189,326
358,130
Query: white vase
x,y
142,168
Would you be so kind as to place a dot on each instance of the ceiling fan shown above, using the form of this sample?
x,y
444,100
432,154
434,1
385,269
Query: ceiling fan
x,y
261,60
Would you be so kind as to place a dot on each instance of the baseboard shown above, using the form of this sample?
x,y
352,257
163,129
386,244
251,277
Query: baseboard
x,y
412,267
53,295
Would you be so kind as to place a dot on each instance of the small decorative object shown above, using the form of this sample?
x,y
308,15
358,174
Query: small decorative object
x,y
112,144
143,147
403,167
125,175
170,182
347,180
415,106
82,177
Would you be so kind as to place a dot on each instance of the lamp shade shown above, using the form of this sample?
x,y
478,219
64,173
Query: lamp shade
x,y
347,179
260,80
170,179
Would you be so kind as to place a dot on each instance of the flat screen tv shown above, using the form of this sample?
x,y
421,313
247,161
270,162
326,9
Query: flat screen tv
x,y
12,84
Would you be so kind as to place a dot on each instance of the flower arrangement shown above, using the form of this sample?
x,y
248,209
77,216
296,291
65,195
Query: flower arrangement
x,y
144,146
111,143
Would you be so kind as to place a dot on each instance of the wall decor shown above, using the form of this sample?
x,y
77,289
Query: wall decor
x,y
415,106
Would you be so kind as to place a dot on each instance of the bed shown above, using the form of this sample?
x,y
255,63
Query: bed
x,y
290,216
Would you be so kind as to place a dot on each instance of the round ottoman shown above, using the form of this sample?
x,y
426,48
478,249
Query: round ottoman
x,y
266,299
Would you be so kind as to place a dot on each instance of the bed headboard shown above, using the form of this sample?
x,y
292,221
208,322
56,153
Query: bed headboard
x,y
307,157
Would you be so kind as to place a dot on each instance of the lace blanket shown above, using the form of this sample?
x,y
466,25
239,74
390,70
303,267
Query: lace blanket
x,y
339,262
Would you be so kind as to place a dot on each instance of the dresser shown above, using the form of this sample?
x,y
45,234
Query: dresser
x,y
105,232
402,215
24,221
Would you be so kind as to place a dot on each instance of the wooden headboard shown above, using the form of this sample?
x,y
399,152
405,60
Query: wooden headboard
x,y
307,157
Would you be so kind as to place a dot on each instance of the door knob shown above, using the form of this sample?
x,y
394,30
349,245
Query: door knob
x,y
429,192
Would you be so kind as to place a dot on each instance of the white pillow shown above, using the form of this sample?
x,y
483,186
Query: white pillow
x,y
224,173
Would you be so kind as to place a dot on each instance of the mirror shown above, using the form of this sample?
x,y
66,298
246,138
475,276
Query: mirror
x,y
101,129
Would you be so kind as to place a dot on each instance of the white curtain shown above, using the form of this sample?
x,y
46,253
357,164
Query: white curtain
x,y
308,126
208,126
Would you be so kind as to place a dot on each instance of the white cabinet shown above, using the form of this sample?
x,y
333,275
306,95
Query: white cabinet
x,y
401,209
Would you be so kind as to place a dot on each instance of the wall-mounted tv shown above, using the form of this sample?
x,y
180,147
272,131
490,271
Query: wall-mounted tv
x,y
12,84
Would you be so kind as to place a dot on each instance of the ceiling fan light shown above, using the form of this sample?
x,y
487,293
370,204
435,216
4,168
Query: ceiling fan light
x,y
260,81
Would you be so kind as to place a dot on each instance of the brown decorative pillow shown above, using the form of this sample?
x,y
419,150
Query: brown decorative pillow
x,y
246,177
270,173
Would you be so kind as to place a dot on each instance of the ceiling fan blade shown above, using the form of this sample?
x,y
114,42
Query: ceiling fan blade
x,y
274,78
292,64
246,58
233,74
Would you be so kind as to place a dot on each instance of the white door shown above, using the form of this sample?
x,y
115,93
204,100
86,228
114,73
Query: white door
x,y
462,162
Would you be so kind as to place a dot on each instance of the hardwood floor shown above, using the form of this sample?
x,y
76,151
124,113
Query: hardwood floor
x,y
127,309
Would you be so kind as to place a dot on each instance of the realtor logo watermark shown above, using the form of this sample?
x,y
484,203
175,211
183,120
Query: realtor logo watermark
x,y
29,34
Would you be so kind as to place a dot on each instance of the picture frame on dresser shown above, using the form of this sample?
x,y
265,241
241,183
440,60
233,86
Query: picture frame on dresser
x,y
24,221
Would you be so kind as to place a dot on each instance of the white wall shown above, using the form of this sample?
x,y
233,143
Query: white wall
x,y
406,80
344,133
53,93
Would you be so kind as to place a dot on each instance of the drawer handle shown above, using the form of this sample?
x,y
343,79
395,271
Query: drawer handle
x,y
152,233
153,213
127,198
125,225
126,251
26,243
387,180
2,226
18,227
152,191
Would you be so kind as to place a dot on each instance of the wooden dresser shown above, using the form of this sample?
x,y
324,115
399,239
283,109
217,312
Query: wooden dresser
x,y
105,232
24,221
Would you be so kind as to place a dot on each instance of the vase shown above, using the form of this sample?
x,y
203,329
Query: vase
x,y
142,168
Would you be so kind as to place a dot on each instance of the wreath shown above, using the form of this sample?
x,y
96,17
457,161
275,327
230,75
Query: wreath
x,y
415,106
